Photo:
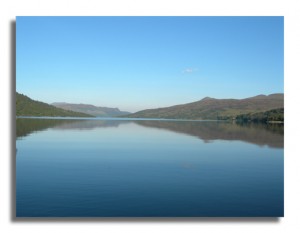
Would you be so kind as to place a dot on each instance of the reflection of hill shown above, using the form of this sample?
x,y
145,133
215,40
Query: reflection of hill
x,y
259,134
25,127
30,125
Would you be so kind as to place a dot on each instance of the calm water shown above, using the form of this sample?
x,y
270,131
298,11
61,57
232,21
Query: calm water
x,y
89,168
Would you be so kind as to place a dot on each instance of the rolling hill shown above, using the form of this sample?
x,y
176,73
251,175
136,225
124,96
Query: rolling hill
x,y
214,109
28,107
91,109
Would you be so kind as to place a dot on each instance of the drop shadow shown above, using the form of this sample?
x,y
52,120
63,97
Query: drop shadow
x,y
12,112
141,220
61,220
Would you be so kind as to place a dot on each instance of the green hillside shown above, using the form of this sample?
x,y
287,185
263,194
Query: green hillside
x,y
28,107
267,116
214,109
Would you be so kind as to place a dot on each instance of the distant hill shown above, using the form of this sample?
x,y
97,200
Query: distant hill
x,y
91,109
28,107
210,108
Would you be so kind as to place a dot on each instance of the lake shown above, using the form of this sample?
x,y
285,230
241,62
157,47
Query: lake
x,y
148,168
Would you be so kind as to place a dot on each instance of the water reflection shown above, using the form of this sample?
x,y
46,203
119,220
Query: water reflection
x,y
27,126
122,168
259,134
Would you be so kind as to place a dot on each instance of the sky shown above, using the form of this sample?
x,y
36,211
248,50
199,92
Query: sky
x,y
137,63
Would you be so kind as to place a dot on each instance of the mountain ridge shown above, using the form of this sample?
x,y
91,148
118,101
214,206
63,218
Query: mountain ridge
x,y
214,109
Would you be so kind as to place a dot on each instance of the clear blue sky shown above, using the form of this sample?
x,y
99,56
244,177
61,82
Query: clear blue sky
x,y
136,63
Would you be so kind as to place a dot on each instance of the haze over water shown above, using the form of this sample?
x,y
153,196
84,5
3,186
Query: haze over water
x,y
90,168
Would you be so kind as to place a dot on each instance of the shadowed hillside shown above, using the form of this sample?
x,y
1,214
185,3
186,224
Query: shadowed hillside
x,y
267,116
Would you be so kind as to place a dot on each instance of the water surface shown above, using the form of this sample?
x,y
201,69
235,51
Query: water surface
x,y
125,168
